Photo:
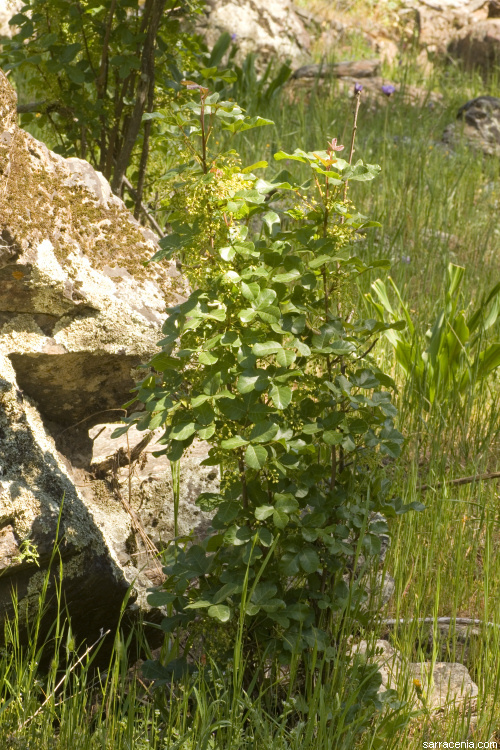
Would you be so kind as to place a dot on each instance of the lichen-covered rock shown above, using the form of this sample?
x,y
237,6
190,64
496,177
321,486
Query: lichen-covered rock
x,y
145,482
443,683
439,22
478,125
271,28
78,312
34,485
478,46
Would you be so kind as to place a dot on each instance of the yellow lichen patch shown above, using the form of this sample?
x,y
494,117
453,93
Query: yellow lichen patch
x,y
44,198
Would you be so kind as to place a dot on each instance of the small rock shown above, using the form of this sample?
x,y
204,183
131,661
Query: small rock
x,y
479,45
385,656
494,9
445,684
380,592
478,124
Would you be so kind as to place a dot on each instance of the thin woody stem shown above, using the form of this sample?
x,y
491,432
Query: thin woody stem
x,y
353,136
333,476
244,493
203,136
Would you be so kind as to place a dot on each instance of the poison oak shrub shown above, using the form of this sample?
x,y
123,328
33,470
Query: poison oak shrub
x,y
268,363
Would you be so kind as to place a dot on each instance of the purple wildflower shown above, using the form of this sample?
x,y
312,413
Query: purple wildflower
x,y
405,259
358,88
388,89
234,37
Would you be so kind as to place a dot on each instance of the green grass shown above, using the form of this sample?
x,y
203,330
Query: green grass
x,y
435,206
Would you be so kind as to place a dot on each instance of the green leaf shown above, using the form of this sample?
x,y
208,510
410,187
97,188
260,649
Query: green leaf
x,y
263,432
280,519
299,611
69,53
227,590
319,260
234,442
245,123
205,433
227,253
226,513
174,451
298,155
252,380
263,592
182,431
162,362
208,501
361,171
330,437
199,604
271,219
302,348
205,358
265,299
263,512
250,291
219,612
232,408
287,503
255,456
281,396
75,74
120,431
273,605
488,360
161,598
247,315
309,560
257,165
285,278
341,347
219,49
265,537
174,671
285,357
267,348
